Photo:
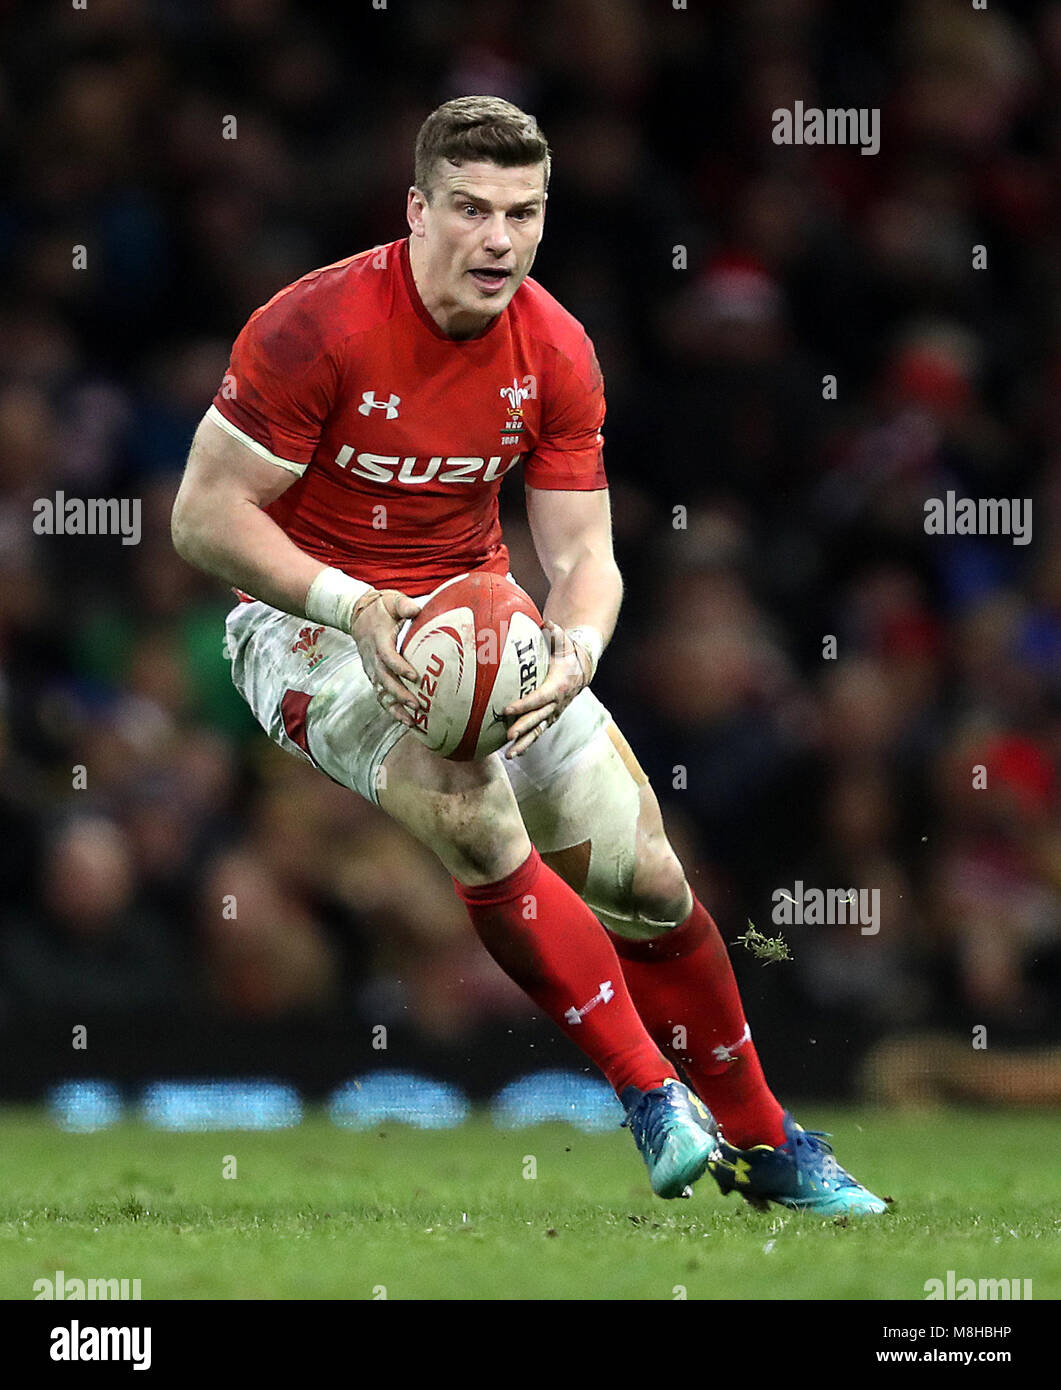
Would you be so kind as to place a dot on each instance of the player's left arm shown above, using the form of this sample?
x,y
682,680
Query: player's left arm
x,y
572,534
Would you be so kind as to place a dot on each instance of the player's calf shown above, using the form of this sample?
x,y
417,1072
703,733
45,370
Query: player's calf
x,y
597,819
533,924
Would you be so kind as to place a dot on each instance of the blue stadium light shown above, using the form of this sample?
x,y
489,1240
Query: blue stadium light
x,y
582,1101
400,1096
207,1105
82,1106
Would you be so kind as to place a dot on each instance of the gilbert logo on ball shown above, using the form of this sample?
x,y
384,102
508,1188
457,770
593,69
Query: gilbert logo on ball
x,y
478,645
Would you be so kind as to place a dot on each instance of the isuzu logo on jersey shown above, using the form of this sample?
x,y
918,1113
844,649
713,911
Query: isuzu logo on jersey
x,y
391,468
369,404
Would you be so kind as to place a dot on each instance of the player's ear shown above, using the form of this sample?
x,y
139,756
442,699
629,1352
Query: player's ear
x,y
414,211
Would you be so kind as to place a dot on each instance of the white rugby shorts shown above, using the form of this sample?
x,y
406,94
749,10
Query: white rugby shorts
x,y
307,688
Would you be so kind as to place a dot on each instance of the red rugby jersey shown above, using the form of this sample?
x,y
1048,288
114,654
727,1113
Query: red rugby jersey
x,y
400,436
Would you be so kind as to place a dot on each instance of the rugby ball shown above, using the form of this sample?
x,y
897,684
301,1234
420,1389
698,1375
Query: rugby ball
x,y
478,645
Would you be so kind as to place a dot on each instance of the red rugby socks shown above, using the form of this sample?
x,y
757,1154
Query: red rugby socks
x,y
547,940
684,988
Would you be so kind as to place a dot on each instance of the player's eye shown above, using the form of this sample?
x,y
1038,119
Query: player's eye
x,y
470,207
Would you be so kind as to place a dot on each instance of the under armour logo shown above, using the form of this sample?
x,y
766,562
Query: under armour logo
x,y
369,403
729,1054
605,993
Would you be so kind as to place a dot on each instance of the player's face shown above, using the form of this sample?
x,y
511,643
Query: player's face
x,y
475,242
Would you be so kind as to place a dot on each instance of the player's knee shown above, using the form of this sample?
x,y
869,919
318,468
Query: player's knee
x,y
652,899
658,891
465,813
486,857
480,839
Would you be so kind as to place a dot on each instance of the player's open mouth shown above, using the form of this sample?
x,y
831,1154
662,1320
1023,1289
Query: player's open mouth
x,y
491,280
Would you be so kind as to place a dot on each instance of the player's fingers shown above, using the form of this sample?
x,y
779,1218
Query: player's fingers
x,y
391,705
528,740
388,684
529,719
557,687
545,695
394,708
535,723
390,657
405,607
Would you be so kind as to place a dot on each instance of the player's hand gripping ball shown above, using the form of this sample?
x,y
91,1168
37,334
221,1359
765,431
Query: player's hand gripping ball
x,y
478,645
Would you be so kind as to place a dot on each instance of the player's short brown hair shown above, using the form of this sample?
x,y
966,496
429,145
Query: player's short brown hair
x,y
470,128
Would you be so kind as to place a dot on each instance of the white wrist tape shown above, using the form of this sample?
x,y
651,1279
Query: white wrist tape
x,y
332,596
593,642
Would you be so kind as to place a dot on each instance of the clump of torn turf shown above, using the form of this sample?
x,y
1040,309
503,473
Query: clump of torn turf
x,y
764,948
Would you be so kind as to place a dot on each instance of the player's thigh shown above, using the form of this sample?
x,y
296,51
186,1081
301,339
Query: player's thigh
x,y
307,688
589,808
465,812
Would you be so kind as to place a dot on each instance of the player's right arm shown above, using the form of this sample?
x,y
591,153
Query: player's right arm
x,y
219,525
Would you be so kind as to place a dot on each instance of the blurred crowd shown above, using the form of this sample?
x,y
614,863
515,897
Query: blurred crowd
x,y
159,855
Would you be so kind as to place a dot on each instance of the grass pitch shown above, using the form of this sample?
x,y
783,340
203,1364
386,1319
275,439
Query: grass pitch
x,y
318,1212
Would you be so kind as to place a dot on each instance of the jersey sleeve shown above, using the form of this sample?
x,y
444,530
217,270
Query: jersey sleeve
x,y
569,455
280,384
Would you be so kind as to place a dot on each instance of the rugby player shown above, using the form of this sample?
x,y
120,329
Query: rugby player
x,y
349,464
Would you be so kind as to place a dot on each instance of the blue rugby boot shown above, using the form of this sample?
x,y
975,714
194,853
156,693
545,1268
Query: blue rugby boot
x,y
800,1174
675,1134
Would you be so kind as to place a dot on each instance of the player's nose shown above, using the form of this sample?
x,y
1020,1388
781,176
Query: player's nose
x,y
497,238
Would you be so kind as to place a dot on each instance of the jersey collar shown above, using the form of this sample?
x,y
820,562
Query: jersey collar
x,y
425,317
